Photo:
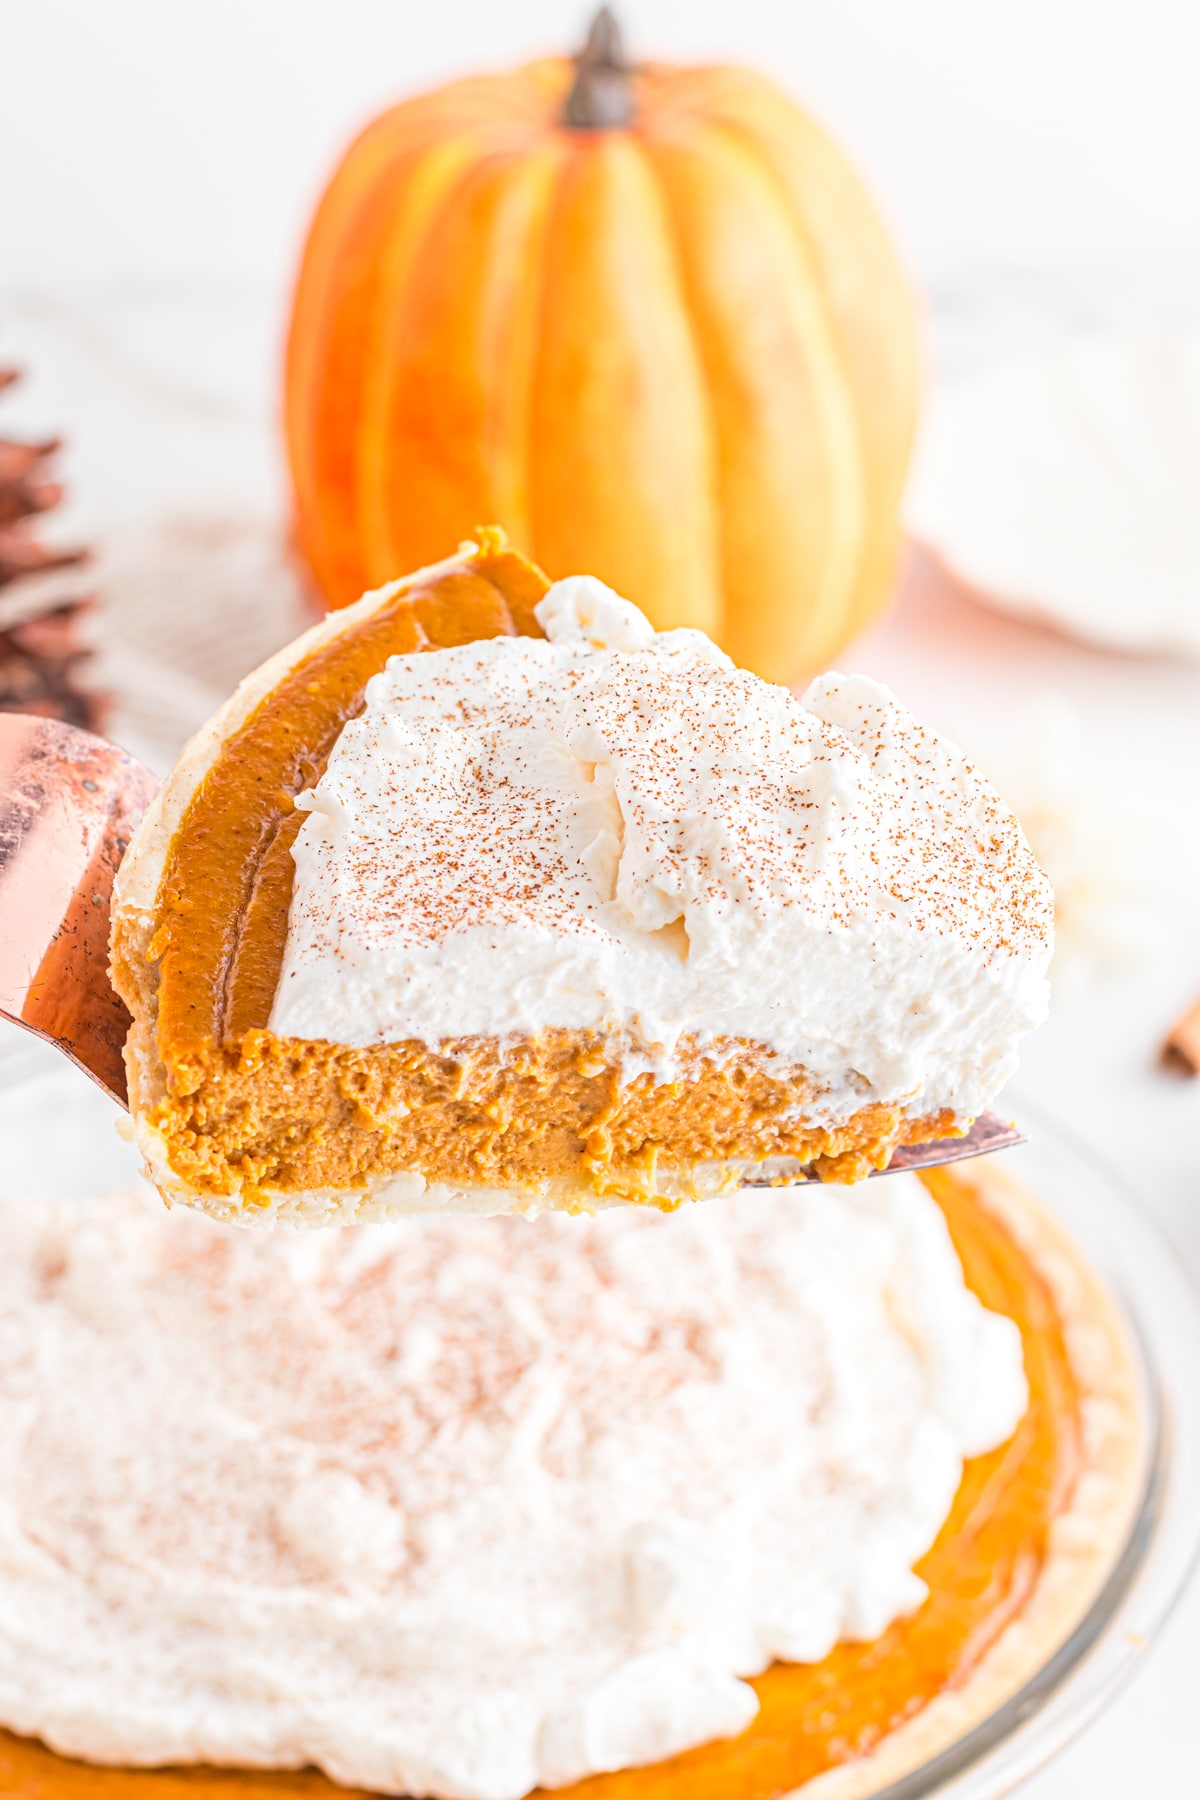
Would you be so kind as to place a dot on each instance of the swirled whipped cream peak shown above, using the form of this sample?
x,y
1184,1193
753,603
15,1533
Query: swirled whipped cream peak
x,y
616,830
469,1506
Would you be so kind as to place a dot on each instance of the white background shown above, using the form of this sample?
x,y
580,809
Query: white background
x,y
1040,161
157,140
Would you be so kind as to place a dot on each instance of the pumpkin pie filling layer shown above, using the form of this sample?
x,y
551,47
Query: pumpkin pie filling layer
x,y
261,1090
1030,1534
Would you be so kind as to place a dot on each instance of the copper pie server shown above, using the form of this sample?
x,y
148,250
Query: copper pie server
x,y
68,804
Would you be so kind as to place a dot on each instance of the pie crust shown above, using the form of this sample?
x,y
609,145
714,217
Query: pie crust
x,y
1094,1525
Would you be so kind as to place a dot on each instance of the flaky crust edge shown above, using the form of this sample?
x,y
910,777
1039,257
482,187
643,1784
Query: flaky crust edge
x,y
1086,1539
135,892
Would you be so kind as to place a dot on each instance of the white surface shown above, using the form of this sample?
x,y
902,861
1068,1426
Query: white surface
x,y
178,141
1066,486
630,1460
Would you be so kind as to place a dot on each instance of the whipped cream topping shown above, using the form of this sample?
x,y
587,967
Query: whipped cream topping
x,y
617,830
463,1506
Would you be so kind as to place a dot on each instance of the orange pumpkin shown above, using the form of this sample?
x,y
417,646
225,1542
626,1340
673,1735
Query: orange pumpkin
x,y
645,318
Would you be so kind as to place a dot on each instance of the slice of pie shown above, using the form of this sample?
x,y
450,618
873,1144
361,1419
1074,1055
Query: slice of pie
x,y
730,1502
484,895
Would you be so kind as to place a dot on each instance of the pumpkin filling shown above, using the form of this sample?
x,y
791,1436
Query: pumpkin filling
x,y
1026,1537
324,1008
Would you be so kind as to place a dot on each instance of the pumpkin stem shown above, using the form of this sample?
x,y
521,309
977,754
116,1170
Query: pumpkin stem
x,y
601,98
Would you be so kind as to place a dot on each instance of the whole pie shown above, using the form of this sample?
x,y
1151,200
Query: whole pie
x,y
484,895
239,1558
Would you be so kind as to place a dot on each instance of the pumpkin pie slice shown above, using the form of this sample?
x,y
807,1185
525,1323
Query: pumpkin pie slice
x,y
484,895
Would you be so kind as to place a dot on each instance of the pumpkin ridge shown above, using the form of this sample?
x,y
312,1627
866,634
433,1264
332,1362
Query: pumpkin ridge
x,y
620,480
530,328
834,598
370,183
716,511
696,155
886,461
325,442
454,436
451,163
538,312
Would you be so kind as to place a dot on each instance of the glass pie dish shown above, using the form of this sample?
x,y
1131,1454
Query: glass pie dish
x,y
58,1139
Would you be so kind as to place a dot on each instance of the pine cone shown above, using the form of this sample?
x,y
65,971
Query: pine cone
x,y
41,655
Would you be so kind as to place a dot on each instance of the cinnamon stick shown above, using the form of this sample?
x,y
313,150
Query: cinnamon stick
x,y
1181,1052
